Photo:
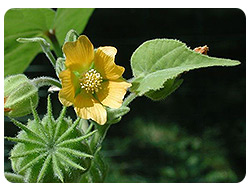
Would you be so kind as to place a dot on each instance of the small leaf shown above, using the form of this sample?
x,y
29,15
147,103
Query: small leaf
x,y
159,60
59,121
114,115
74,152
26,129
56,169
25,141
69,161
38,121
31,152
33,162
44,168
14,178
69,130
76,140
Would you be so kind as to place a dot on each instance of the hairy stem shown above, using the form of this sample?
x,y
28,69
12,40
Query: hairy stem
x,y
46,81
129,99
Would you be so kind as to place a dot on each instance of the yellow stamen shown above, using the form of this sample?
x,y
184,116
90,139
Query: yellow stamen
x,y
91,81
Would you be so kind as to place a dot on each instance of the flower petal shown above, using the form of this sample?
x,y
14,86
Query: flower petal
x,y
105,65
113,93
79,54
67,93
87,107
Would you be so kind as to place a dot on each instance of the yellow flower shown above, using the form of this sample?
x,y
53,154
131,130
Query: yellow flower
x,y
91,80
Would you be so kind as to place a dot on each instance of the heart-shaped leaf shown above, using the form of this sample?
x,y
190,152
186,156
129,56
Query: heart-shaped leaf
x,y
157,61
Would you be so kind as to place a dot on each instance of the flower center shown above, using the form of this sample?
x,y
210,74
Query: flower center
x,y
91,81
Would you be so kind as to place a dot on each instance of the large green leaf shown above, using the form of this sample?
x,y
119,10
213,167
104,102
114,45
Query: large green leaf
x,y
23,23
70,18
157,61
28,23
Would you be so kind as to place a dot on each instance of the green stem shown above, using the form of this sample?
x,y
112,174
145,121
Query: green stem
x,y
55,43
89,128
50,57
98,137
46,81
44,45
129,99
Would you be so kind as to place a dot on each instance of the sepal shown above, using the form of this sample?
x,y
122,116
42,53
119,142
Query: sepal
x,y
18,92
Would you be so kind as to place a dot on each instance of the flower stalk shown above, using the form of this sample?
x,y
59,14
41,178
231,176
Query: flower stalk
x,y
46,81
129,99
44,45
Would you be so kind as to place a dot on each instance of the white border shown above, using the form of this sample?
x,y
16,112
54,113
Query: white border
x,y
5,5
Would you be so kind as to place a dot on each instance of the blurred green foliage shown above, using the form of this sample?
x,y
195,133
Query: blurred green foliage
x,y
158,152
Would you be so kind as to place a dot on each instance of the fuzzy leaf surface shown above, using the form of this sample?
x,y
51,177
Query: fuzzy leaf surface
x,y
156,61
14,178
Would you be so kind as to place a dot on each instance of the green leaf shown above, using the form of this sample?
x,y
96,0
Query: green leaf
x,y
44,168
69,161
32,162
56,169
70,18
31,152
114,115
68,131
157,61
169,87
71,36
97,172
29,23
75,140
14,178
23,23
74,152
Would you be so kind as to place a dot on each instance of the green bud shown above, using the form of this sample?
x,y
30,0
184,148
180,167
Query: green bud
x,y
115,115
71,36
60,65
50,150
18,93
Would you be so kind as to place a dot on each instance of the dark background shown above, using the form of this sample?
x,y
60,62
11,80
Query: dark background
x,y
195,135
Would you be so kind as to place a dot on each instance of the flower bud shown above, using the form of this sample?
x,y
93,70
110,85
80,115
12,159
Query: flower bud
x,y
18,93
